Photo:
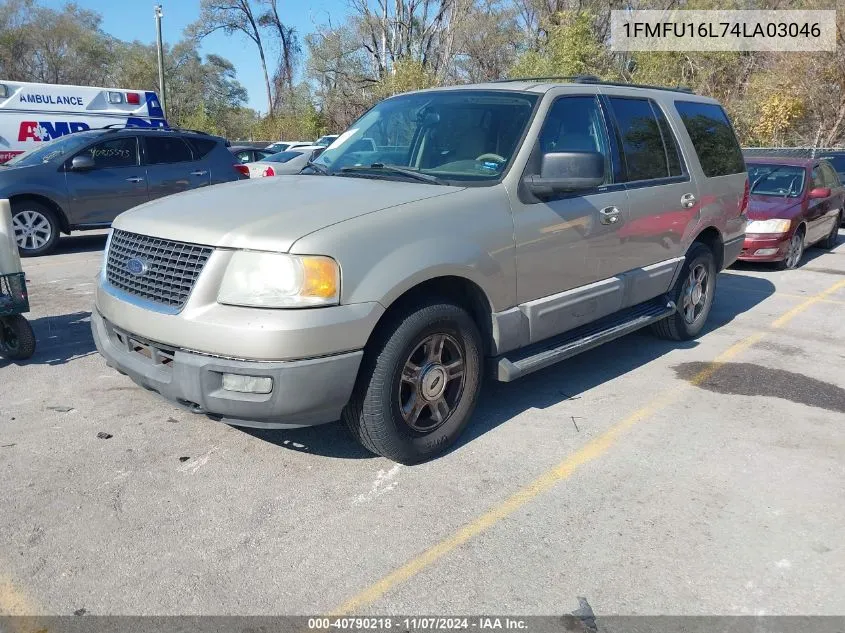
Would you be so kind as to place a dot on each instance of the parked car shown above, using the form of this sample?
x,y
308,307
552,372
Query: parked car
x,y
246,154
325,141
84,180
483,232
795,203
281,146
288,162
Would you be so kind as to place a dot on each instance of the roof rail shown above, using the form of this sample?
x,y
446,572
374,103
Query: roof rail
x,y
592,79
123,126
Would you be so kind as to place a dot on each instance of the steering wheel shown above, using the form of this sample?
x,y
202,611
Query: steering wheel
x,y
495,157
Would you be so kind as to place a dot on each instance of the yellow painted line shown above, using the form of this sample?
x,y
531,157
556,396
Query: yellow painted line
x,y
788,295
13,601
591,451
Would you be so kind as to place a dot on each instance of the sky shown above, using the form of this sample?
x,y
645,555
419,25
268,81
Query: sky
x,y
134,20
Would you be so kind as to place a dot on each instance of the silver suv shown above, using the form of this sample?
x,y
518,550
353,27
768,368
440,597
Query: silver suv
x,y
495,228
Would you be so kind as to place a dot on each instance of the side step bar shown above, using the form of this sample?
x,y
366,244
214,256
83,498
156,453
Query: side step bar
x,y
540,355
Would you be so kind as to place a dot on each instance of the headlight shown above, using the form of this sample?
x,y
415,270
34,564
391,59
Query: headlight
x,y
768,226
277,280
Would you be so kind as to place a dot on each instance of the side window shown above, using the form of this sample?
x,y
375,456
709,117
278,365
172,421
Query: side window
x,y
243,156
166,149
713,138
116,152
646,155
673,154
818,180
576,124
830,177
201,146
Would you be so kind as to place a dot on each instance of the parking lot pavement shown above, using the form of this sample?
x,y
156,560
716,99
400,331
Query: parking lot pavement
x,y
646,476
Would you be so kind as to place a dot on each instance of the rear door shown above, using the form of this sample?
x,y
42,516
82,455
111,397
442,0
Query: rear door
x,y
826,211
661,194
171,167
116,183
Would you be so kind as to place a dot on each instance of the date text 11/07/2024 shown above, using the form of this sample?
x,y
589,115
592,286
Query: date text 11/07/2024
x,y
417,624
721,29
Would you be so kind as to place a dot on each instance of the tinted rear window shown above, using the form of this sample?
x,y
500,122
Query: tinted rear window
x,y
165,150
201,146
713,138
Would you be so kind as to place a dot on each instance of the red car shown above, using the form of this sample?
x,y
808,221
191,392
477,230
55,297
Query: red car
x,y
795,203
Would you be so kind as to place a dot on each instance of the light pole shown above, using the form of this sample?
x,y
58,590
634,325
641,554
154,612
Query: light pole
x,y
162,94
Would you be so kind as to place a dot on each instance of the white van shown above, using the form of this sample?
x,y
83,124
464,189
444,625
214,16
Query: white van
x,y
33,113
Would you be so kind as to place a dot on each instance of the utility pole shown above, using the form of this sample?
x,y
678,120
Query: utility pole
x,y
162,91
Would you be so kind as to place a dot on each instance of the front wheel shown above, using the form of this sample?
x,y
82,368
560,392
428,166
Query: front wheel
x,y
36,228
17,340
794,253
693,294
418,384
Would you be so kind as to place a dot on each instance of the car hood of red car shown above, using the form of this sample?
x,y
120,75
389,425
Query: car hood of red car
x,y
772,207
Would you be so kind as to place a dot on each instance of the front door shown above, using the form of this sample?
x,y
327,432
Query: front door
x,y
567,246
116,183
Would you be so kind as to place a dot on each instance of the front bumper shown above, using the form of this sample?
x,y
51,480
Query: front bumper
x,y
765,248
304,392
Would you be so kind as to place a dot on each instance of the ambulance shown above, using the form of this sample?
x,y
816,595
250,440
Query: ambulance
x,y
32,113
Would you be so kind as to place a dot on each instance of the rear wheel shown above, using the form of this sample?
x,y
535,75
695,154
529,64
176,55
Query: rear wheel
x,y
693,294
833,237
794,253
418,384
17,340
36,228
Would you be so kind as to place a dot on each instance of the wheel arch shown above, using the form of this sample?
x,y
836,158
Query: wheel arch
x,y
64,223
712,238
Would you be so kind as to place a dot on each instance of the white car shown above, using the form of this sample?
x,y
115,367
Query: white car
x,y
290,161
281,146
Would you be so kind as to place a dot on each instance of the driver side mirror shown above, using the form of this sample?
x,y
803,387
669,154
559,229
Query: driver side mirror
x,y
567,171
82,163
820,192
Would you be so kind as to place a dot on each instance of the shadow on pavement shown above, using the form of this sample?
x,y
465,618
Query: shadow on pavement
x,y
59,339
500,402
81,243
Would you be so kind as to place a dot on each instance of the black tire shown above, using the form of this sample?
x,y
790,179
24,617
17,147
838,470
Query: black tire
x,y
44,225
17,340
789,262
833,237
678,327
374,414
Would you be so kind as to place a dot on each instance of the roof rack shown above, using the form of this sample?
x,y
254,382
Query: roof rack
x,y
124,126
593,79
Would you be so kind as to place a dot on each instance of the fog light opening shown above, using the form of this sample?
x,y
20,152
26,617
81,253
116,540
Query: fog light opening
x,y
762,252
247,384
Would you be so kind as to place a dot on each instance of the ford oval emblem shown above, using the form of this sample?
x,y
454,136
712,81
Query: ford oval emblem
x,y
136,267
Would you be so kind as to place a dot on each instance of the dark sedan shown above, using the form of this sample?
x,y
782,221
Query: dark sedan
x,y
795,203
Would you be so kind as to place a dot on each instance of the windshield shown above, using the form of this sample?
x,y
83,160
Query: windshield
x,y
776,180
53,149
459,136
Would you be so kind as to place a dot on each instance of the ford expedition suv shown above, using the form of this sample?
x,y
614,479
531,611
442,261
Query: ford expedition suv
x,y
487,229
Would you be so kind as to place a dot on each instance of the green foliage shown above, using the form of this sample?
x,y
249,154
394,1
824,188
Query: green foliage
x,y
570,48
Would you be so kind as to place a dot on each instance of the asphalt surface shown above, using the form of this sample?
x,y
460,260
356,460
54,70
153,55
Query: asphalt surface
x,y
640,475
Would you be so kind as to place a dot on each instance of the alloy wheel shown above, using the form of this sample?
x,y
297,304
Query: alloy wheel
x,y
796,250
32,229
431,382
694,294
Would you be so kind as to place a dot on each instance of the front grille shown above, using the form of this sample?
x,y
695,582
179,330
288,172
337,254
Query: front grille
x,y
169,269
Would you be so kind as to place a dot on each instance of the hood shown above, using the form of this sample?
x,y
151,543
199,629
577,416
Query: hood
x,y
269,213
772,207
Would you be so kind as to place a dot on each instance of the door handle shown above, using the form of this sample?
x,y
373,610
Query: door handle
x,y
609,215
688,200
199,172
135,179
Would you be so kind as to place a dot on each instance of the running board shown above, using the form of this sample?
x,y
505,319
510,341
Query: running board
x,y
540,355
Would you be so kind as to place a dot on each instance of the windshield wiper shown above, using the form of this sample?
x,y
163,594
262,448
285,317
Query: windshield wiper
x,y
320,169
402,171
762,177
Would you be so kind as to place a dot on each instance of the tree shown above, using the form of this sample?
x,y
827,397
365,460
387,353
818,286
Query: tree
x,y
233,16
289,51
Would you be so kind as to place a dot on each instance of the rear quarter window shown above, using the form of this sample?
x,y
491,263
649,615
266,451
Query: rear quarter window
x,y
712,137
201,147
